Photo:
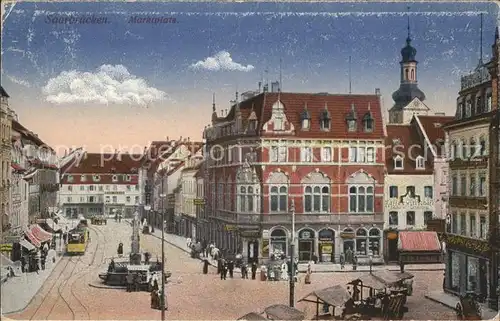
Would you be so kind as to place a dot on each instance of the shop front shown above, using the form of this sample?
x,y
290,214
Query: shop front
x,y
391,245
326,248
348,236
307,245
278,242
250,244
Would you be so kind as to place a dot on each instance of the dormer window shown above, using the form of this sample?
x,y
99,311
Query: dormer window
x,y
398,162
460,110
278,124
479,104
70,178
324,120
114,178
305,119
128,178
351,119
83,178
420,162
97,178
488,102
252,125
468,108
368,122
396,141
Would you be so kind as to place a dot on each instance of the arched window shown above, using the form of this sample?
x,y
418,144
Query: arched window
x,y
465,149
468,107
361,199
453,151
317,199
362,241
279,241
398,162
374,239
279,199
406,74
474,148
412,74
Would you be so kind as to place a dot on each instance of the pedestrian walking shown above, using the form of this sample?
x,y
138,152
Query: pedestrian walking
x,y
130,281
349,256
342,260
147,257
42,261
230,268
244,271
219,266
223,273
188,242
120,250
254,270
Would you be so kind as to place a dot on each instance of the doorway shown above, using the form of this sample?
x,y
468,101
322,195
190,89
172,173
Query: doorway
x,y
392,250
306,245
326,245
253,251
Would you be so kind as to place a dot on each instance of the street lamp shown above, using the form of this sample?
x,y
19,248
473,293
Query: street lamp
x,y
162,300
370,261
147,208
292,259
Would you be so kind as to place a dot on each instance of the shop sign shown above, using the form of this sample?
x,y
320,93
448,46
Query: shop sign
x,y
12,238
305,235
230,227
325,239
392,235
408,203
347,235
265,248
6,247
250,233
199,201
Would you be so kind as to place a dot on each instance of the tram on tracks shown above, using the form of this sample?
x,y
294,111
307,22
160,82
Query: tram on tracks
x,y
78,238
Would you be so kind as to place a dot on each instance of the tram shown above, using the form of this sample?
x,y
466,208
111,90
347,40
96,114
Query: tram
x,y
78,239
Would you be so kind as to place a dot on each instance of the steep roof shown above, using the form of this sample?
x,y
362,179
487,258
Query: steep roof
x,y
29,135
339,107
97,163
433,127
3,93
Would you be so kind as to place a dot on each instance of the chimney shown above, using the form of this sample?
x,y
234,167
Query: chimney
x,y
180,139
260,85
168,139
188,139
377,91
222,112
275,86
225,112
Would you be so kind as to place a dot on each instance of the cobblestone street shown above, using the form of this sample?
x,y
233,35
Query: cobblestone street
x,y
190,294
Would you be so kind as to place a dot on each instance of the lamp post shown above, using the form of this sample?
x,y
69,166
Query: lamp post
x,y
162,300
292,259
147,208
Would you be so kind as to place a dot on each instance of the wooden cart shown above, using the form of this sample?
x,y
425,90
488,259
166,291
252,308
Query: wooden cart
x,y
98,220
335,296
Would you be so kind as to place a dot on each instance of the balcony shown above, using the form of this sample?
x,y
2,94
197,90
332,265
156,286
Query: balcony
x,y
300,218
475,162
480,203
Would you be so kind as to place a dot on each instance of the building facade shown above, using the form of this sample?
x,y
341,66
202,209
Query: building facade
x,y
187,195
318,157
5,181
101,184
471,218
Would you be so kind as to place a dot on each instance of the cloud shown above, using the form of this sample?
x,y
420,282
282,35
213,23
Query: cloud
x,y
19,81
107,85
221,61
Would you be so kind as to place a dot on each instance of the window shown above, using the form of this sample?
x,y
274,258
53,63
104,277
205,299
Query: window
x,y
317,199
326,153
107,199
115,188
306,123
393,218
361,242
82,187
115,199
393,191
127,199
278,123
453,151
69,199
428,192
474,148
91,187
351,125
246,201
483,227
488,102
483,151
279,199
70,188
83,178
463,224
137,187
398,162
107,187
114,178
82,199
410,191
70,178
482,186
460,110
353,154
128,187
370,154
472,225
374,241
325,121
91,199
128,178
361,199
97,178
420,162
454,186
410,218
306,154
472,185
479,105
137,200
368,123
468,108
427,217
463,185
100,188
465,150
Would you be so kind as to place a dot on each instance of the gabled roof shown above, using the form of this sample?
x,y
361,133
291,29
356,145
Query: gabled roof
x,y
433,128
294,104
29,135
3,93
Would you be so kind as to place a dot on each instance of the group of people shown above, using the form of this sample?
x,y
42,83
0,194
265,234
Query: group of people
x,y
348,257
225,267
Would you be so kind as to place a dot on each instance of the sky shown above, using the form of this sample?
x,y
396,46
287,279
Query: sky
x,y
113,83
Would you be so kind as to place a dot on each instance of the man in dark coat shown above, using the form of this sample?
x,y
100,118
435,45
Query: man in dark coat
x,y
230,268
223,273
219,266
205,266
130,281
254,270
244,271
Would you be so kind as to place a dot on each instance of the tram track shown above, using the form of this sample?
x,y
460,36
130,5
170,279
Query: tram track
x,y
79,311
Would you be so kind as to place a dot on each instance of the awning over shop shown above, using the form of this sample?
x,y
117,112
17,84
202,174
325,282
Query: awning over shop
x,y
50,223
36,242
40,233
418,241
27,245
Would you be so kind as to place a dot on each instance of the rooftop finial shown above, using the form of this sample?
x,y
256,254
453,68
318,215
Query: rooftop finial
x,y
369,106
408,40
350,79
326,105
213,102
236,95
481,42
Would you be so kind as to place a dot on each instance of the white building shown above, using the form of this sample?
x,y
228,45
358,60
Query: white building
x,y
96,184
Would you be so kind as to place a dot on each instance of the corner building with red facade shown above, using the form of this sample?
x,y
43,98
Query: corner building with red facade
x,y
323,153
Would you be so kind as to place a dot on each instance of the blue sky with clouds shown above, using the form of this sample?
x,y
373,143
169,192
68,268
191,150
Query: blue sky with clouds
x,y
149,64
